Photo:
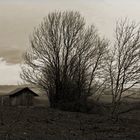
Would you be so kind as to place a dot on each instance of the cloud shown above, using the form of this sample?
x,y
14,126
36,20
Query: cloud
x,y
9,73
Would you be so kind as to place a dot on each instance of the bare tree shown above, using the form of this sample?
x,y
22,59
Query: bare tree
x,y
65,57
123,61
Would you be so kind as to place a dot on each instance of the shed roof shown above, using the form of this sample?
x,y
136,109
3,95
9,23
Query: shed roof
x,y
18,91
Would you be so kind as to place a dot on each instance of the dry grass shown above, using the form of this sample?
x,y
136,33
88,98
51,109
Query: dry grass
x,y
40,123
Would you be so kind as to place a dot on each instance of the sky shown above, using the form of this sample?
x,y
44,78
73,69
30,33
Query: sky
x,y
19,17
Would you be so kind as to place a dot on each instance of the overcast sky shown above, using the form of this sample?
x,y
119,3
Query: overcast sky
x,y
19,17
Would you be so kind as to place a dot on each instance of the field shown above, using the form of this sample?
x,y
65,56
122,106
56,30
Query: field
x,y
40,123
44,123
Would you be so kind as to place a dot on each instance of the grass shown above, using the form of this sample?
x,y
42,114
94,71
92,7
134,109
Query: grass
x,y
45,123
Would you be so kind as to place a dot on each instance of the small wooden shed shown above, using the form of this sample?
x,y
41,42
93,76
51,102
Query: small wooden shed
x,y
22,97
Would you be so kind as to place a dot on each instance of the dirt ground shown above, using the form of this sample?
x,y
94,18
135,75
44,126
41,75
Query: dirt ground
x,y
40,123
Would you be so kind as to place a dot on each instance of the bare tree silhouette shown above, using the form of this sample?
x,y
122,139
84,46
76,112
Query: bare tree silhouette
x,y
65,58
123,70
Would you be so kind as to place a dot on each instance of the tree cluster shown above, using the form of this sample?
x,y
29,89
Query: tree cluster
x,y
70,61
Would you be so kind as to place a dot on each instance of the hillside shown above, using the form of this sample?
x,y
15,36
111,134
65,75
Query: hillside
x,y
5,89
49,124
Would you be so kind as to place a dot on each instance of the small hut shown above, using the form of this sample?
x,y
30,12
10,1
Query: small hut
x,y
22,97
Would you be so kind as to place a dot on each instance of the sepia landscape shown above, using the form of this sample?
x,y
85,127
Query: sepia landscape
x,y
69,70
